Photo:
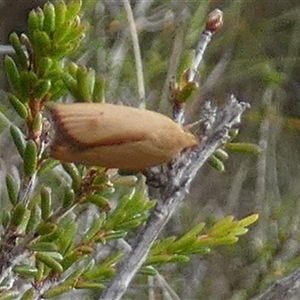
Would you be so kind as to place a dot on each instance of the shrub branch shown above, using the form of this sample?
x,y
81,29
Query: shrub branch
x,y
171,184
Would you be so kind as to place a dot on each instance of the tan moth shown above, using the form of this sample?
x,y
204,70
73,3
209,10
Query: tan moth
x,y
116,136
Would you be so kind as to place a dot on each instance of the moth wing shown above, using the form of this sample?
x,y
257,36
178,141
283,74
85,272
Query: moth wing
x,y
88,125
129,156
116,136
93,124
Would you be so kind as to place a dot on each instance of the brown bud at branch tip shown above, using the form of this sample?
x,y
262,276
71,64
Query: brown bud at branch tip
x,y
214,20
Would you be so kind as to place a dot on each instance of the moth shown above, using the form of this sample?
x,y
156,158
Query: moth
x,y
116,136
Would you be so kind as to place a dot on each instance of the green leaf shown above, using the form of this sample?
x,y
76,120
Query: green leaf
x,y
52,236
42,246
99,90
99,201
205,241
62,51
37,124
41,89
67,220
123,203
187,91
221,154
71,84
226,240
9,295
222,227
47,166
135,204
56,291
46,205
18,106
49,20
85,83
33,220
184,65
90,265
41,272
65,240
130,224
12,189
194,232
30,158
248,220
35,21
200,250
58,90
125,180
149,205
45,228
161,246
179,258
243,148
149,271
69,198
25,270
68,20
182,244
101,179
18,215
49,261
74,34
41,43
113,259
73,9
216,163
84,249
89,285
158,259
44,65
98,273
18,139
94,228
6,217
72,69
129,213
233,133
27,79
114,219
238,231
28,295
15,42
71,279
72,170
60,14
71,258
12,73
115,234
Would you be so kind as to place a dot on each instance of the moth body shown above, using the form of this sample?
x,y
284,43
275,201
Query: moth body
x,y
116,136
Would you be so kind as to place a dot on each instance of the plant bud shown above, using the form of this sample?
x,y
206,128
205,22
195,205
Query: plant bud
x,y
116,136
214,20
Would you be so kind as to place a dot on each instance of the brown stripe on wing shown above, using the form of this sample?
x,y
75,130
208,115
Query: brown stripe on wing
x,y
63,124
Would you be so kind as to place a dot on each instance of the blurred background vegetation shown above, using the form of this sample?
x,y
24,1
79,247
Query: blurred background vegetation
x,y
256,57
